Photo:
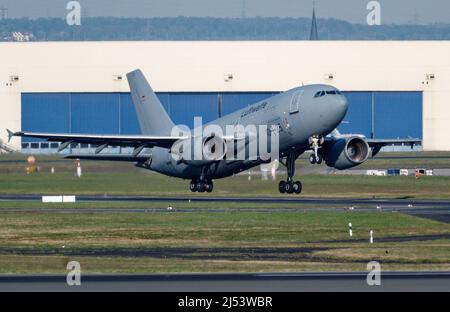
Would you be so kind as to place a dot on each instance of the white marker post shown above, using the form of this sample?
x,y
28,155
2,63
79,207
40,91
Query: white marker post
x,y
274,173
78,164
350,230
371,236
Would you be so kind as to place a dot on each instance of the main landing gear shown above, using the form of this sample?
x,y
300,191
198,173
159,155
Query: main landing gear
x,y
201,187
202,184
290,186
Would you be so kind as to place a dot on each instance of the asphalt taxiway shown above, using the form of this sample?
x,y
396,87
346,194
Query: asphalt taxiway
x,y
263,282
275,199
438,210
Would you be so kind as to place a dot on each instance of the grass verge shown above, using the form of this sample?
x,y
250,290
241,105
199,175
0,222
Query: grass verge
x,y
218,242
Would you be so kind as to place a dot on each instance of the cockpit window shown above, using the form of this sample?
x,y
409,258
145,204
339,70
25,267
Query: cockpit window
x,y
331,92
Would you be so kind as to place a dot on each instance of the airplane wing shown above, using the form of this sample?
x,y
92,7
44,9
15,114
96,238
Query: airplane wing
x,y
378,144
139,142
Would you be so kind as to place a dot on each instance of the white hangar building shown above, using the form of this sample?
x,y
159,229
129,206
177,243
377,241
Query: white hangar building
x,y
396,89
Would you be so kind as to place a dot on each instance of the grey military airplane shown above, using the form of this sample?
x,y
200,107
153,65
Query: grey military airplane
x,y
306,118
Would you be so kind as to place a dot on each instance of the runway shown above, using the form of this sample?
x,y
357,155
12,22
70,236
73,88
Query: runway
x,y
438,210
248,282
297,199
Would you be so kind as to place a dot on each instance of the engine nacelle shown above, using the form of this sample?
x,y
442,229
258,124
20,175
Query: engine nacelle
x,y
199,151
345,153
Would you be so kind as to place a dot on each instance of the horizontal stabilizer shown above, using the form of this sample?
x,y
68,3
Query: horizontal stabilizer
x,y
110,157
10,135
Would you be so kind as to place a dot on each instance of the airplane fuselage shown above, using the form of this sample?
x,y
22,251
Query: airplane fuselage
x,y
300,114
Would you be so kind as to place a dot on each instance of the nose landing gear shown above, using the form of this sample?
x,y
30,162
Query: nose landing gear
x,y
315,142
290,186
315,159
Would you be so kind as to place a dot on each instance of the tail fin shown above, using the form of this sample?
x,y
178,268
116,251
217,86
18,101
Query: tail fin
x,y
153,118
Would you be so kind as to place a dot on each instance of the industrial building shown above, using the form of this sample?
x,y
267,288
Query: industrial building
x,y
396,89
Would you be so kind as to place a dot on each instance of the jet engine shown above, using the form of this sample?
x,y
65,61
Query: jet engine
x,y
200,152
345,153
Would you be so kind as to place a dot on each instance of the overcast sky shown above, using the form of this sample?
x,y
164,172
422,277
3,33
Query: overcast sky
x,y
393,11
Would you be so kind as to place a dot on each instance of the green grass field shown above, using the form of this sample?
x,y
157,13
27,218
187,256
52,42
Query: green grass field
x,y
45,242
143,183
124,179
40,241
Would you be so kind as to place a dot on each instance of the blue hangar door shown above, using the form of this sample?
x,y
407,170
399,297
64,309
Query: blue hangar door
x,y
384,115
374,114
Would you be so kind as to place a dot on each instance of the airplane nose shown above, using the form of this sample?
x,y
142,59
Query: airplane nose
x,y
341,106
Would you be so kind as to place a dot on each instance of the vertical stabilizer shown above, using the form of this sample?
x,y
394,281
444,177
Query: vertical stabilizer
x,y
153,118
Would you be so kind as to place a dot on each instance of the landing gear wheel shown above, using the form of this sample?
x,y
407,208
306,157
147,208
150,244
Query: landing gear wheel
x,y
209,187
193,187
201,187
319,159
312,159
297,187
289,187
281,187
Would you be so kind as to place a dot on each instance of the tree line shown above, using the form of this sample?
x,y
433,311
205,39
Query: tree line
x,y
191,28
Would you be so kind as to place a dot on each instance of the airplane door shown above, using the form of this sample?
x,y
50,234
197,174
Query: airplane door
x,y
295,102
